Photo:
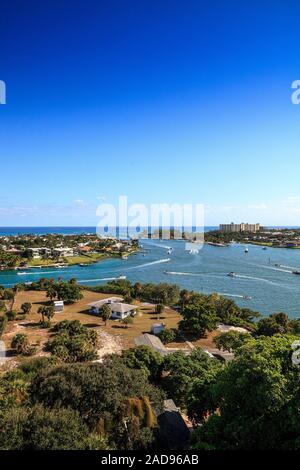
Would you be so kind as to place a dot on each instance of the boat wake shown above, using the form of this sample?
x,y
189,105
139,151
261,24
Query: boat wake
x,y
290,267
177,273
159,261
39,273
234,295
277,269
160,245
96,280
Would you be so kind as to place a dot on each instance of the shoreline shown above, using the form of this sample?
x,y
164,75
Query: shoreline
x,y
68,265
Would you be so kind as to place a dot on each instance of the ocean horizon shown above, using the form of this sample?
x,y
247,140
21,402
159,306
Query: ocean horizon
x,y
81,229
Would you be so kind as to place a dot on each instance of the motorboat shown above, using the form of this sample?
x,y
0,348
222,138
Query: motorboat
x,y
122,277
296,272
231,274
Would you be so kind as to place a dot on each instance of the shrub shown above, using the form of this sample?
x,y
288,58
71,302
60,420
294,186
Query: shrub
x,y
26,307
3,322
20,343
11,315
167,336
127,321
73,342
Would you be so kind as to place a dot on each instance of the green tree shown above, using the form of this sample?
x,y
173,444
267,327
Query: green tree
x,y
181,370
231,340
275,323
184,297
167,336
38,428
101,394
159,309
145,358
20,343
127,321
137,289
46,311
105,313
2,306
199,316
26,307
51,292
256,399
70,292
73,342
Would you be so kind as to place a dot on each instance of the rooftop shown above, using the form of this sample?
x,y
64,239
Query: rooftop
x,y
109,300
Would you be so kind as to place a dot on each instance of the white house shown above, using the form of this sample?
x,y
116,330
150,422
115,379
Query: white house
x,y
95,307
58,305
35,252
63,251
119,310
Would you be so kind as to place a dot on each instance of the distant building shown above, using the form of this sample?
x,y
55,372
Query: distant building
x,y
58,305
293,244
62,252
157,328
239,227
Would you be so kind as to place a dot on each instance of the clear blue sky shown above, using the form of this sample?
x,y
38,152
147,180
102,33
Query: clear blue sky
x,y
160,100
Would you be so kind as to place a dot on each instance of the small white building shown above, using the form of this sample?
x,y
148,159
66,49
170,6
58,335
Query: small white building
x,y
61,252
58,305
120,311
35,252
157,328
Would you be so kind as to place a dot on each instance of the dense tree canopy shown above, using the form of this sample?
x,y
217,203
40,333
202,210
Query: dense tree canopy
x,y
255,399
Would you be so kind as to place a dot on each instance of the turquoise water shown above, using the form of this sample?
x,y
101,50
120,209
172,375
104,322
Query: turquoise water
x,y
271,288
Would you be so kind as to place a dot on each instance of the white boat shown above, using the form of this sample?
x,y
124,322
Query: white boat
x,y
246,250
193,252
121,277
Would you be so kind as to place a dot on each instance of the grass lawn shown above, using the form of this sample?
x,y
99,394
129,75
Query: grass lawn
x,y
40,262
86,259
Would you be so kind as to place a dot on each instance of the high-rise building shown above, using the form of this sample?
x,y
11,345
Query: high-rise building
x,y
239,227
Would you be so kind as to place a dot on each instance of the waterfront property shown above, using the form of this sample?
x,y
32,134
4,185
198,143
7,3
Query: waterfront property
x,y
119,310
232,227
96,307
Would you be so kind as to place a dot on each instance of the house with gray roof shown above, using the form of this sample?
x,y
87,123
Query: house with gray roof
x,y
119,310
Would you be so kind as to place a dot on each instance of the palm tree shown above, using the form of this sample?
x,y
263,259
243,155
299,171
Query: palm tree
x,y
137,289
105,313
184,297
159,309
51,292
